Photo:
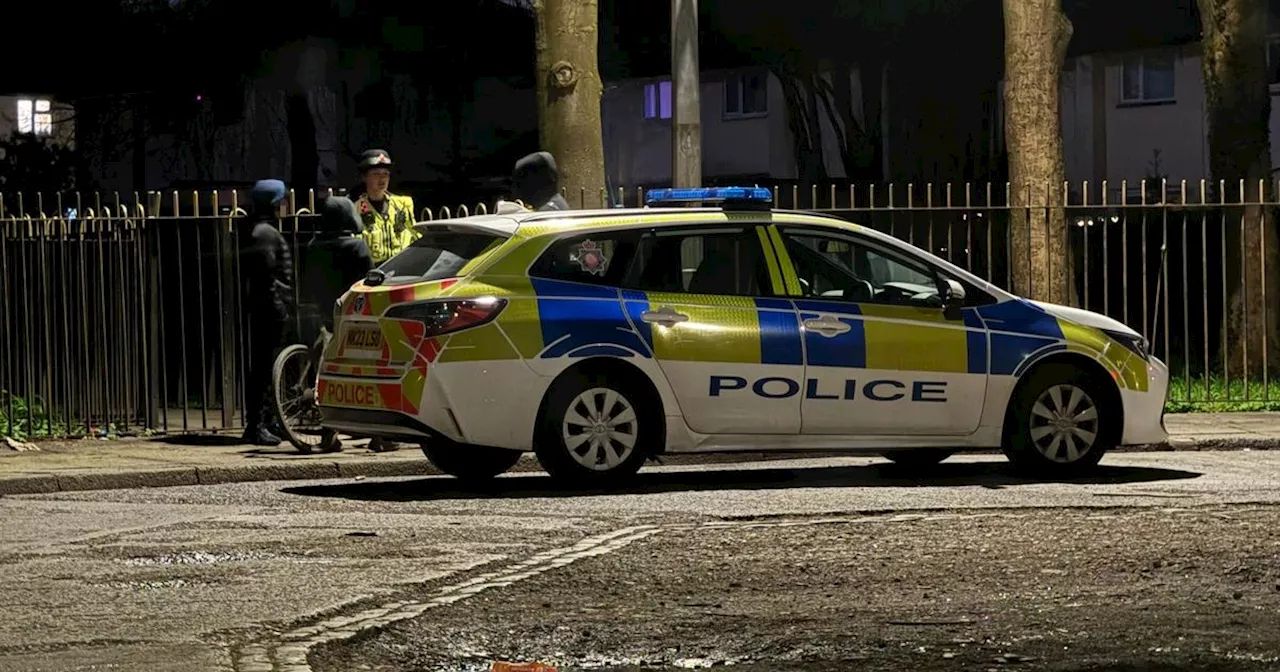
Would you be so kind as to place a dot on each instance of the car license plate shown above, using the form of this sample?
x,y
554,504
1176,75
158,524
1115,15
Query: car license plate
x,y
345,393
363,337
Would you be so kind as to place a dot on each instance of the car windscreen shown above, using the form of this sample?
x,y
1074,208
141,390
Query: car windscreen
x,y
437,255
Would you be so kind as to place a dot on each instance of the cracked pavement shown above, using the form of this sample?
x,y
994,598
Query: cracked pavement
x,y
263,576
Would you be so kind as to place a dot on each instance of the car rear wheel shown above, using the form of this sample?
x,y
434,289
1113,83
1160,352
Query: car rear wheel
x,y
595,430
918,458
469,463
1064,421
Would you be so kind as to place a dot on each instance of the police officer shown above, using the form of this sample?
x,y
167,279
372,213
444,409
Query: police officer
x,y
388,218
267,268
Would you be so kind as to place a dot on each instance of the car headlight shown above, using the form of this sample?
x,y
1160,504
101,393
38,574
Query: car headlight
x,y
1135,343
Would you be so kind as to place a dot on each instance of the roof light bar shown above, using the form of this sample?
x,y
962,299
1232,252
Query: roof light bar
x,y
750,197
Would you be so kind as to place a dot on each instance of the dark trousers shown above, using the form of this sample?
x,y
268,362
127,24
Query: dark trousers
x,y
266,331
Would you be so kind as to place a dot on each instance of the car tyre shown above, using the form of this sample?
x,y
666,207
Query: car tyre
x,y
470,463
596,430
918,458
1063,420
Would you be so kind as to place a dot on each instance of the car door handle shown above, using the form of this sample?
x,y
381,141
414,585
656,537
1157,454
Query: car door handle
x,y
827,327
665,316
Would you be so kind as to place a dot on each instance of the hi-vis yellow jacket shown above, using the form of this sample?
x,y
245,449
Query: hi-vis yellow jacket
x,y
389,232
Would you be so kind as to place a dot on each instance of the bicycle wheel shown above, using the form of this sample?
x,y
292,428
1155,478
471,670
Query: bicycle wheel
x,y
294,383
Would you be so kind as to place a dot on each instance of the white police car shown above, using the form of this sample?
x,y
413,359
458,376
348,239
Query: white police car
x,y
600,338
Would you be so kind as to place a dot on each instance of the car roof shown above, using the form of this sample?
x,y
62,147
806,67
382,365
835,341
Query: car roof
x,y
537,223
529,223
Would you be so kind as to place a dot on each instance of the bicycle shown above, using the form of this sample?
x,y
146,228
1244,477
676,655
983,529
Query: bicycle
x,y
293,382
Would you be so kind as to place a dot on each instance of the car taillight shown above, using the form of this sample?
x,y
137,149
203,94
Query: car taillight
x,y
447,316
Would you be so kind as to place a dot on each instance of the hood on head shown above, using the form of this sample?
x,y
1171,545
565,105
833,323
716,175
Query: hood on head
x,y
267,195
536,179
338,216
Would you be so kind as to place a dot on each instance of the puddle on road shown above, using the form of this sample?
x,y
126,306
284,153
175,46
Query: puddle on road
x,y
197,558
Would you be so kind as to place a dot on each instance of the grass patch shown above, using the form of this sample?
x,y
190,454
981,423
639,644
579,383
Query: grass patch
x,y
24,419
1221,396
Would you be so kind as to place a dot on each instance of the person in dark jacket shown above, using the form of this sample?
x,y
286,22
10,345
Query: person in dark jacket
x,y
267,271
336,258
536,182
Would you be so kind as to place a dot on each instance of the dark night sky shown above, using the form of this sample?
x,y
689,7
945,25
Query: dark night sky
x,y
149,51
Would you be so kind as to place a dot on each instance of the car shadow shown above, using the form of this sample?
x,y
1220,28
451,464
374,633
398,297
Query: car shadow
x,y
992,475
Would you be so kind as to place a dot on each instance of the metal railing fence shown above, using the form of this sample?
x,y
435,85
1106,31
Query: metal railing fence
x,y
121,314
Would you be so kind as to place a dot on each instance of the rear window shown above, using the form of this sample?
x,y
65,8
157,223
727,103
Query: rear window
x,y
437,255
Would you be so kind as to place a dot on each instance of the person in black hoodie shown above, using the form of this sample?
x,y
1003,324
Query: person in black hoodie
x,y
337,257
267,267
536,182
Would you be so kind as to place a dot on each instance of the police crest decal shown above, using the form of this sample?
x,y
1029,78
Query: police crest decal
x,y
590,258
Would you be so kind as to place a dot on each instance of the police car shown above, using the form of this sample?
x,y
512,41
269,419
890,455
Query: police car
x,y
599,339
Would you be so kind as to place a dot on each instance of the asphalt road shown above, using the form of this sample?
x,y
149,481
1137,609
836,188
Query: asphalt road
x,y
258,576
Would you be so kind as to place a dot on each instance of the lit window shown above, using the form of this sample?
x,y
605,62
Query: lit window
x,y
35,116
746,95
26,117
657,100
1147,78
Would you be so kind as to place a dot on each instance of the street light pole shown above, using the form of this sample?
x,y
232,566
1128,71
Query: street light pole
x,y
686,117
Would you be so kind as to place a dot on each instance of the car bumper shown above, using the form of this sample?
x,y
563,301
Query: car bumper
x,y
1144,411
384,408
490,403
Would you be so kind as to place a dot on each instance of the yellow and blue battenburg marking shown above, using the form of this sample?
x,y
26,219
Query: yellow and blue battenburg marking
x,y
1021,334
578,320
585,321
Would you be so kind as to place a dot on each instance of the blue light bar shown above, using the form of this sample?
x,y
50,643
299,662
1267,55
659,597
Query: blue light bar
x,y
755,196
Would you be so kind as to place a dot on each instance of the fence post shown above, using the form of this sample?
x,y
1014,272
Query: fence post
x,y
155,353
227,294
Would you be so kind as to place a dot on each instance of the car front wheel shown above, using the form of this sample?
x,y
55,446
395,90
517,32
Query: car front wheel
x,y
1064,419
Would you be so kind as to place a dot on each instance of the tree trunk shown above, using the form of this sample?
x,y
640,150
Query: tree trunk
x,y
1036,33
871,71
569,94
802,118
1239,110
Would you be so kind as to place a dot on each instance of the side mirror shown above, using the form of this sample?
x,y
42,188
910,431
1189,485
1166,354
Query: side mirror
x,y
953,301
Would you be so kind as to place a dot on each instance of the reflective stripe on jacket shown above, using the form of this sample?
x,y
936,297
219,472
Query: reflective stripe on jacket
x,y
387,234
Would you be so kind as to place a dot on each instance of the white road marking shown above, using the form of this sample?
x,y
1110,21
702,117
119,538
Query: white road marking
x,y
288,652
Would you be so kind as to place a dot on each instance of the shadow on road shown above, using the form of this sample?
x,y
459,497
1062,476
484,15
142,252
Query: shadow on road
x,y
210,440
993,475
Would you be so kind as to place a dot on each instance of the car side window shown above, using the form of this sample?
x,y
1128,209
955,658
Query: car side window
x,y
595,259
839,267
726,261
